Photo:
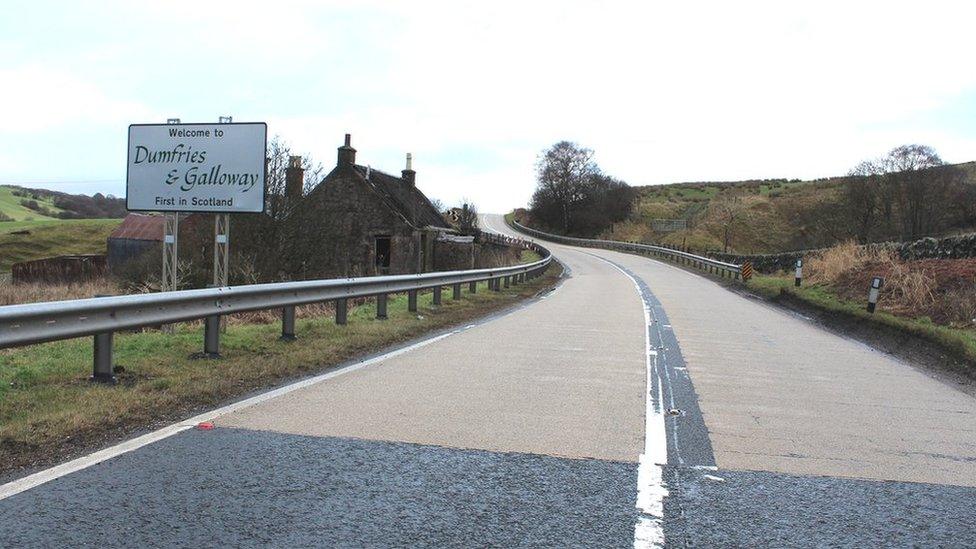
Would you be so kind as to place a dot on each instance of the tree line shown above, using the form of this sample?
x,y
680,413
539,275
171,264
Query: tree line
x,y
573,196
909,193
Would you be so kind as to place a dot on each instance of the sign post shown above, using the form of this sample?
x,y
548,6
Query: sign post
x,y
171,265
207,168
222,240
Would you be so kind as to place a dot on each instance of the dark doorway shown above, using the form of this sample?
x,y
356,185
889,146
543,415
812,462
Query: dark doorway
x,y
382,254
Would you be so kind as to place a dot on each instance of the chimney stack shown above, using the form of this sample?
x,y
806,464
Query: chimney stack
x,y
294,177
347,154
409,176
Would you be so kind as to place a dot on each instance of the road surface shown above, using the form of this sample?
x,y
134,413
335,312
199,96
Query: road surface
x,y
637,405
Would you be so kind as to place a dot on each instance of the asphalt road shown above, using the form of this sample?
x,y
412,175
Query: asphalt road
x,y
636,405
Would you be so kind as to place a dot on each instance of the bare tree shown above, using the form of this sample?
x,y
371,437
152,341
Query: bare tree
x,y
865,199
910,183
271,246
919,193
563,172
729,209
467,217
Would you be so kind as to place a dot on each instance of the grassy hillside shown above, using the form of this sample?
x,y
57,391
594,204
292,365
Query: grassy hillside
x,y
770,215
21,204
52,237
11,206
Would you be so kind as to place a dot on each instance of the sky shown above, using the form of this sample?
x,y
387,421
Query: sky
x,y
662,91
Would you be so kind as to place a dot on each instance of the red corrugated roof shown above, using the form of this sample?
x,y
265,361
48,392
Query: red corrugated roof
x,y
140,227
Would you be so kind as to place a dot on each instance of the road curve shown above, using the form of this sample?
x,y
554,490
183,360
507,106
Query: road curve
x,y
818,439
522,430
637,405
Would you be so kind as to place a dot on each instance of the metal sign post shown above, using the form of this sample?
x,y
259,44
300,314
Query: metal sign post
x,y
171,231
222,244
208,168
222,238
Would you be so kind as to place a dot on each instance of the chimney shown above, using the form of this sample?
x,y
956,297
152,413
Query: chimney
x,y
347,154
294,177
409,176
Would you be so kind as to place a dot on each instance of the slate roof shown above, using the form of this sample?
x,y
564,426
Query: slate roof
x,y
400,196
140,227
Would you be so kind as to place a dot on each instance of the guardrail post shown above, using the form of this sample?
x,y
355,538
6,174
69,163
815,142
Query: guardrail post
x,y
103,371
507,281
496,284
342,309
288,323
381,307
412,301
437,295
211,337
457,291
473,287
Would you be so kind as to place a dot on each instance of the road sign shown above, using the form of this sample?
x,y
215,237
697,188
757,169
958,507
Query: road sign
x,y
217,168
746,272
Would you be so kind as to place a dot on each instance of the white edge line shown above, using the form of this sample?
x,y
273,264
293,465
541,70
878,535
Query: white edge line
x,y
32,481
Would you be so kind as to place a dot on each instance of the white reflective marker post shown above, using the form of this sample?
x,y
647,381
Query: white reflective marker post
x,y
799,272
876,285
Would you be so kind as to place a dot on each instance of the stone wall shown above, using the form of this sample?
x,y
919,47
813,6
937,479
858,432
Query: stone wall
x,y
456,256
953,247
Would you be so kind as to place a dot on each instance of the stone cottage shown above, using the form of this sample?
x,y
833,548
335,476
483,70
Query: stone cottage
x,y
359,221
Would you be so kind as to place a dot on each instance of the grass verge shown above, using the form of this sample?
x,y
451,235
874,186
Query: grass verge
x,y
50,412
957,343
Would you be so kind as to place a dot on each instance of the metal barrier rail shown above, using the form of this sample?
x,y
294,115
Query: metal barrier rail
x,y
712,266
101,317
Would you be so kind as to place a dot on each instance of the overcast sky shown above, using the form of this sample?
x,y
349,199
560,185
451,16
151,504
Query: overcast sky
x,y
662,91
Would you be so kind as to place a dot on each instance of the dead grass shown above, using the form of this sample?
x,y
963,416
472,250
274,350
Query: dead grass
x,y
828,266
49,411
14,294
942,291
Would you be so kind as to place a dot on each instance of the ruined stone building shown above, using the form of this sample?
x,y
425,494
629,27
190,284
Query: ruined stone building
x,y
359,221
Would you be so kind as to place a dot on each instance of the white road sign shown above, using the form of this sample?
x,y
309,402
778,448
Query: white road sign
x,y
196,167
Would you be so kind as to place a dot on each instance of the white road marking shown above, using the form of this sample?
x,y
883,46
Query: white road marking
x,y
651,490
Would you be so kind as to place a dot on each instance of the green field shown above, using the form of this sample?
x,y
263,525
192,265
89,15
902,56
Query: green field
x,y
52,237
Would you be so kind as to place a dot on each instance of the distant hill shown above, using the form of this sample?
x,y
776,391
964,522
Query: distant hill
x,y
25,204
41,239
770,215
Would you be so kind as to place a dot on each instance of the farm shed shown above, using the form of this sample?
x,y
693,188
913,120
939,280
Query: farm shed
x,y
137,234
